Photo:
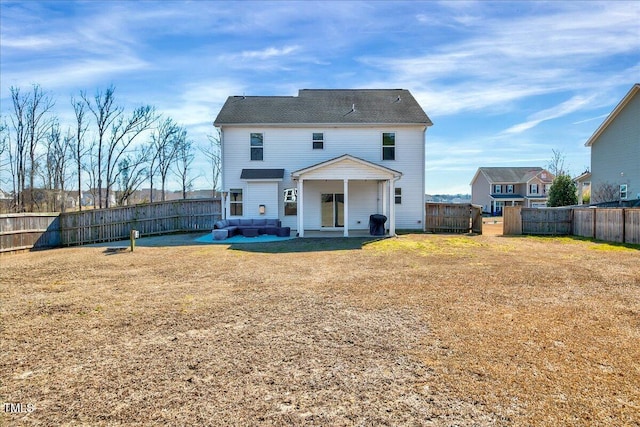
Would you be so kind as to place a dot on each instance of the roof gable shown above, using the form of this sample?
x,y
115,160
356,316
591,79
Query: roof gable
x,y
325,106
346,167
512,175
612,116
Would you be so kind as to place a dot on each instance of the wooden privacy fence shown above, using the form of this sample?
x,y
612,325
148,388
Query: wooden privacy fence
x,y
620,225
102,225
453,218
27,231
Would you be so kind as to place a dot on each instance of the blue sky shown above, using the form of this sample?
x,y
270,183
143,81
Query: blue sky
x,y
505,83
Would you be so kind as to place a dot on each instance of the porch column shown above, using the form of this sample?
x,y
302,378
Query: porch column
x,y
392,208
300,204
346,207
383,186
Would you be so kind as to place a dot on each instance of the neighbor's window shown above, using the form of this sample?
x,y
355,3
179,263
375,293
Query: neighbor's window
x,y
547,187
533,189
497,189
388,146
623,191
257,146
510,189
318,141
235,202
398,196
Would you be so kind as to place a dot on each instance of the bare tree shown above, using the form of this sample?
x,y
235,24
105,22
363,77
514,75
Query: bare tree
x,y
105,113
557,163
4,147
132,172
123,134
57,161
165,141
605,192
79,149
184,159
91,169
213,153
18,150
38,124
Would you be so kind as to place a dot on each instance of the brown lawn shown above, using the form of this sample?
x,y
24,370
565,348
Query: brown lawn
x,y
416,330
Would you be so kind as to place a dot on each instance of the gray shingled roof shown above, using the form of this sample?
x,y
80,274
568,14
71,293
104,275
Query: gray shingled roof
x,y
262,174
511,175
317,106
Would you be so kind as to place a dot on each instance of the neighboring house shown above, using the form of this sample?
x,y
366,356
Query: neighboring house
x,y
325,159
615,150
494,188
583,185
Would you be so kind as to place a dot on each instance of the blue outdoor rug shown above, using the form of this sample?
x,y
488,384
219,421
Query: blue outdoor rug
x,y
263,238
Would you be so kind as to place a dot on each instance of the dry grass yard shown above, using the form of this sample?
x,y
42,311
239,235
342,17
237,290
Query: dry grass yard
x,y
418,330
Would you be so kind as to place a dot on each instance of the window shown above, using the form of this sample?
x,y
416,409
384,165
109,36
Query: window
x,y
510,189
388,146
497,189
318,141
623,191
257,145
533,189
547,187
235,202
398,196
290,201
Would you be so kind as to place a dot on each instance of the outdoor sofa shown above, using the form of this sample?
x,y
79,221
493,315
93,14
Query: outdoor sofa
x,y
252,227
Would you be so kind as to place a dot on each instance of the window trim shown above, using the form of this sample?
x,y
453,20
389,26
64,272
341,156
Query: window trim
x,y
398,195
253,147
389,146
317,141
625,192
234,204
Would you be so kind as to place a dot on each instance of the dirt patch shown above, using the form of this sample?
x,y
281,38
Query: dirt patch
x,y
415,330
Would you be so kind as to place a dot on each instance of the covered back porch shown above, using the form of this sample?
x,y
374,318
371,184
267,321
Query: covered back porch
x,y
339,195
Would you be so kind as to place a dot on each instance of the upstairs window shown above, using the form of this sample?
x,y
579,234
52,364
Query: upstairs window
x,y
257,146
533,189
235,202
623,191
318,141
388,146
398,196
497,189
547,187
510,189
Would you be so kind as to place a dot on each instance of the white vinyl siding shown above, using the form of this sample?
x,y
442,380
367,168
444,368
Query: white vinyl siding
x,y
289,148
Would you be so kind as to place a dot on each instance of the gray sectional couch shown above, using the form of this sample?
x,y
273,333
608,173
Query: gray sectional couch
x,y
262,225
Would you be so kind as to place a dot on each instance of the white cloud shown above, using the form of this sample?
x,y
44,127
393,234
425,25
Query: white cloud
x,y
268,53
574,104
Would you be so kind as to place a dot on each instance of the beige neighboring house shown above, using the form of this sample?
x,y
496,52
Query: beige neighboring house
x,y
496,187
615,149
583,185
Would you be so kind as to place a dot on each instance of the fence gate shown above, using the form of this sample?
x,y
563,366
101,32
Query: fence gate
x,y
453,218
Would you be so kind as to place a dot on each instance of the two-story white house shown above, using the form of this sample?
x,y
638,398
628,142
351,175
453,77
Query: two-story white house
x,y
325,159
